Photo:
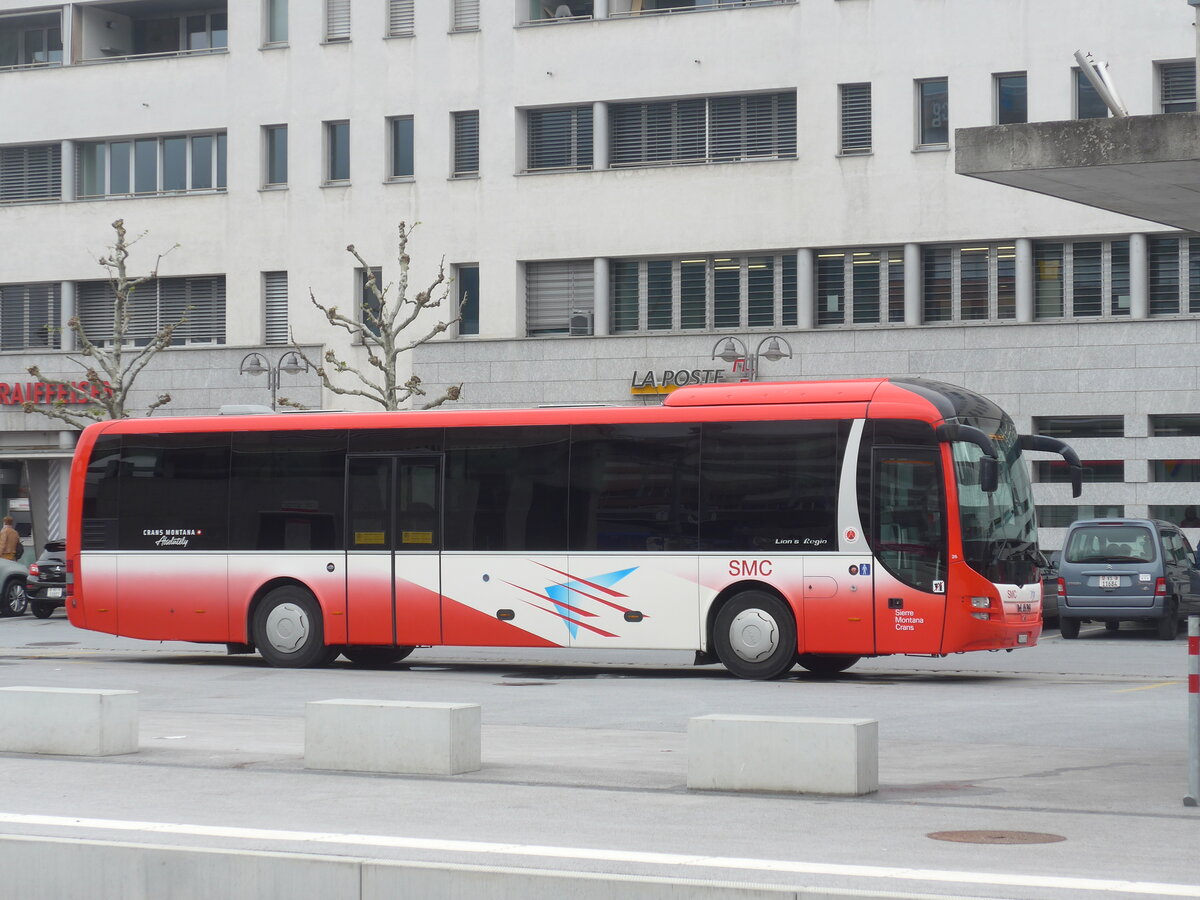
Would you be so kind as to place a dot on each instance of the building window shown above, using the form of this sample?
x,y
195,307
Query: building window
x,y
369,307
1181,515
1088,102
1177,87
275,152
559,297
276,14
1174,470
31,40
1079,426
1095,471
1011,99
464,15
337,20
275,308
154,306
933,113
337,152
466,279
466,143
400,22
855,119
154,165
622,8
715,129
1081,279
400,148
558,12
559,138
972,283
30,316
30,173
860,286
1174,275
703,293
1179,425
206,31
1063,516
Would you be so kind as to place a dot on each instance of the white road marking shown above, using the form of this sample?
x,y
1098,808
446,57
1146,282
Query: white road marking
x,y
1096,885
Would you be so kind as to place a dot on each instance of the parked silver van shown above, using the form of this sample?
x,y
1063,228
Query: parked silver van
x,y
1114,570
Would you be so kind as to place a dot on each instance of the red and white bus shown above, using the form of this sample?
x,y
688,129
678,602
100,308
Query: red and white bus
x,y
760,525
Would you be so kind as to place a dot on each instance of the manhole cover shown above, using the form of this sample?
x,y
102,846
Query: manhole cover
x,y
996,837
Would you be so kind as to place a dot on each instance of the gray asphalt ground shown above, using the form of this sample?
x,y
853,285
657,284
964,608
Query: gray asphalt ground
x,y
585,765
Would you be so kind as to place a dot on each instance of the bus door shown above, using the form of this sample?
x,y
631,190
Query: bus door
x,y
393,550
909,539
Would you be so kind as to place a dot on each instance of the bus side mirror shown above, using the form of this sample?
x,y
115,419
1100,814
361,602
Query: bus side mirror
x,y
989,474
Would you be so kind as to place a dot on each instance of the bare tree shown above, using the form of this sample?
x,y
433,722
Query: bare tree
x,y
381,329
110,370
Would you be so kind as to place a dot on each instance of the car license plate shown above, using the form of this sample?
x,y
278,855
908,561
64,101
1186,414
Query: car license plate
x,y
54,593
1110,581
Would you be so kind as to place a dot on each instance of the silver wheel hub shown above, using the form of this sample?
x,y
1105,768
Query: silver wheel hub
x,y
287,627
753,635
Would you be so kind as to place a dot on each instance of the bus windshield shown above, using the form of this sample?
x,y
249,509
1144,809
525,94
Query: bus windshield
x,y
999,530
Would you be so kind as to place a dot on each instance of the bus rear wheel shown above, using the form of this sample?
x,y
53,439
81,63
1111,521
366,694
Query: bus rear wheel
x,y
288,631
755,635
820,664
374,657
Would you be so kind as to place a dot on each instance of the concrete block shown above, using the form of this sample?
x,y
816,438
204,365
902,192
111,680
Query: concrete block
x,y
68,721
783,753
400,737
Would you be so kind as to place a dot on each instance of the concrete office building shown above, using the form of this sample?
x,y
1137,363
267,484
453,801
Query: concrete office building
x,y
618,186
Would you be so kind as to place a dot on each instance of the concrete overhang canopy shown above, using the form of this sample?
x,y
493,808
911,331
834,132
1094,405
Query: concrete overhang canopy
x,y
1142,166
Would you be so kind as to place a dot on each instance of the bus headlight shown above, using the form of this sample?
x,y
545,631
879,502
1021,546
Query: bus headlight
x,y
982,616
981,603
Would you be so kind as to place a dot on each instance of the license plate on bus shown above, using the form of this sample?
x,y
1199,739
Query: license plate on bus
x,y
1110,581
54,593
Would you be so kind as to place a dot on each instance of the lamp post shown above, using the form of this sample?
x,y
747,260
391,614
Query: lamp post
x,y
255,363
733,350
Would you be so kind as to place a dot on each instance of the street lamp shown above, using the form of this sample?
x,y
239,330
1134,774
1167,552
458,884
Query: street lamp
x,y
290,363
734,350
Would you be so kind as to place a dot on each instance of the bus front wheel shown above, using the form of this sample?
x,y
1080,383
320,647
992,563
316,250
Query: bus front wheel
x,y
755,635
288,631
374,657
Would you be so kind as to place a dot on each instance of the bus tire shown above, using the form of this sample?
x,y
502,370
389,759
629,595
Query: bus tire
x,y
755,635
1068,628
14,601
288,631
820,664
375,657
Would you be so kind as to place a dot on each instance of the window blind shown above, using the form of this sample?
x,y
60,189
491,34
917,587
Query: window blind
x,y
31,173
466,143
466,15
275,307
155,305
553,291
1178,87
715,129
400,18
337,20
25,312
560,138
856,118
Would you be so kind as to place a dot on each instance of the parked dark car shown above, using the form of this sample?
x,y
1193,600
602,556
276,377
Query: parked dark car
x,y
46,584
1120,570
1050,587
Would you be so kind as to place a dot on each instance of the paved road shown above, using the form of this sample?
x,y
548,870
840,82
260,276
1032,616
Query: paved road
x,y
584,765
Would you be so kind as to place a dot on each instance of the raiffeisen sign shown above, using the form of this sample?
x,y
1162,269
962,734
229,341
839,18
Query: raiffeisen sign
x,y
14,393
